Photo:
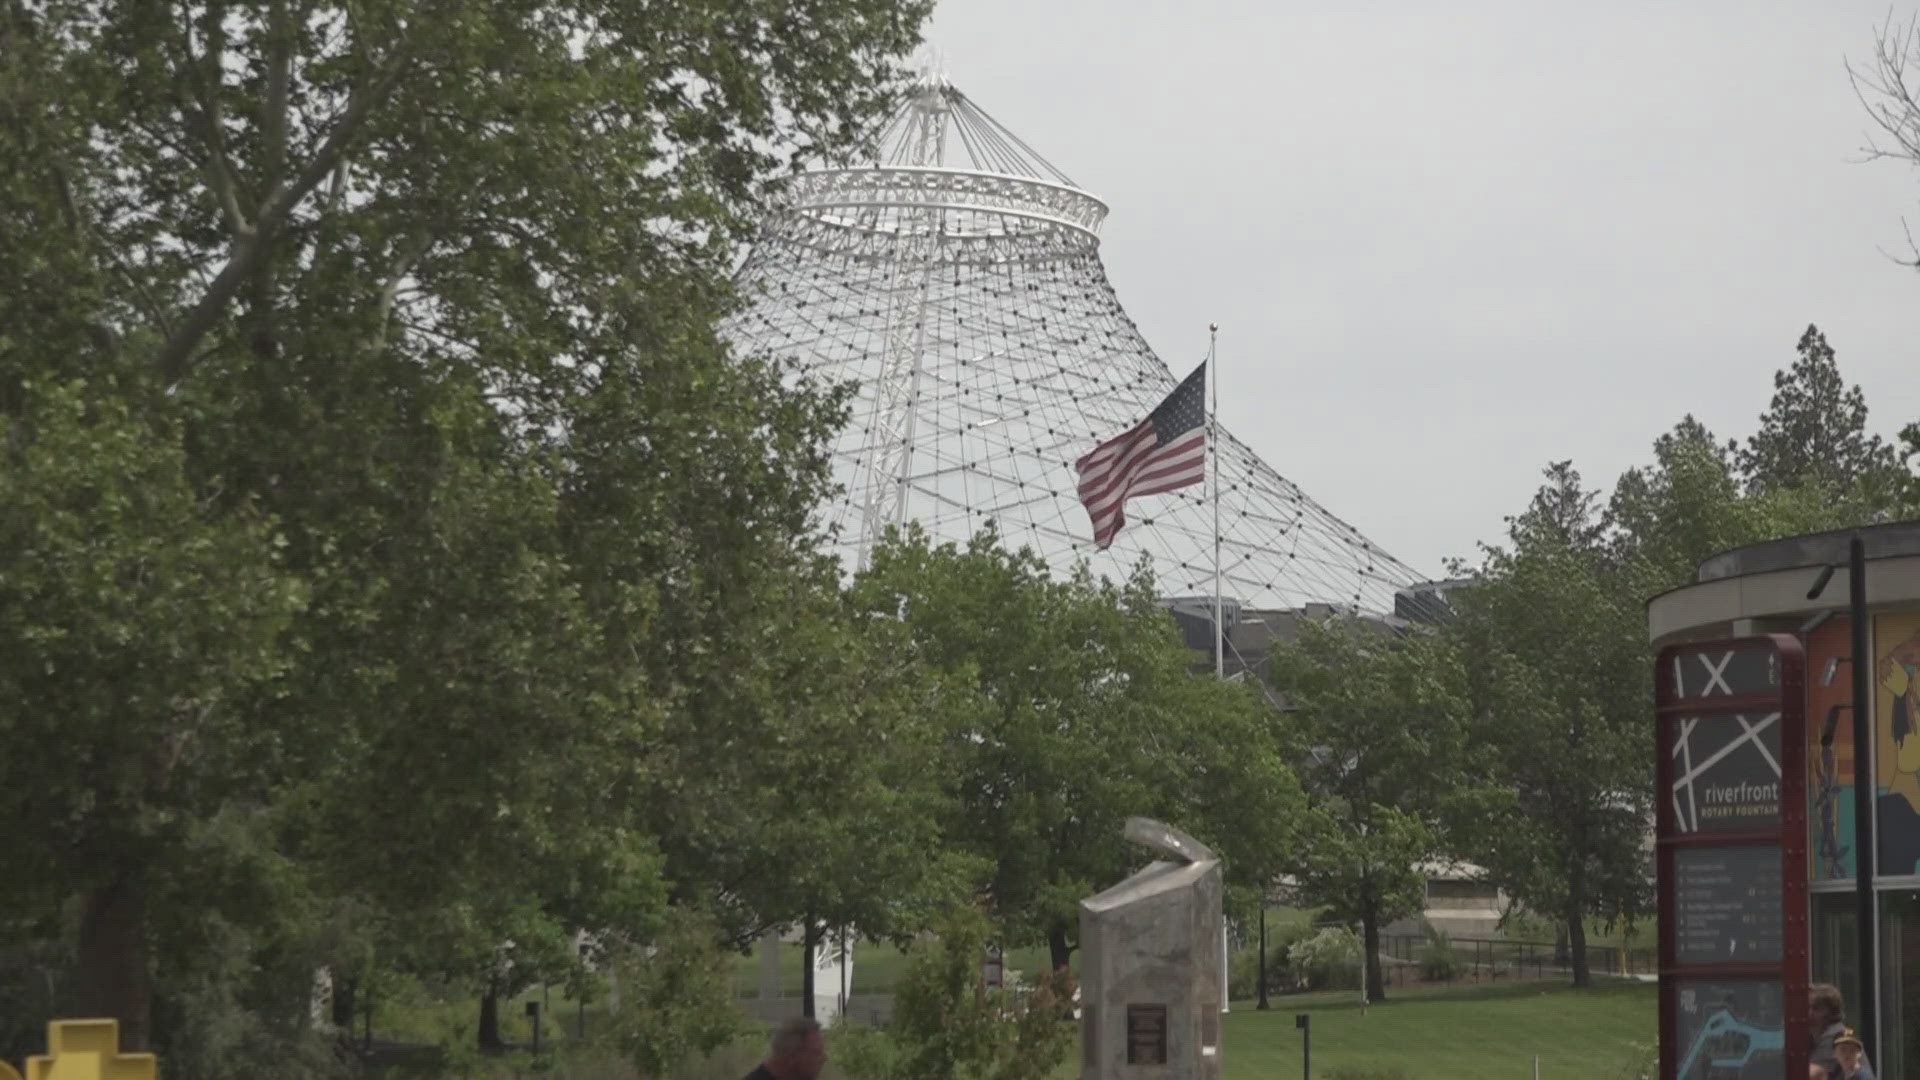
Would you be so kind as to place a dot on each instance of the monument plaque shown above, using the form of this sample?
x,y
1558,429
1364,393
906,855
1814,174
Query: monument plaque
x,y
1730,746
1146,1034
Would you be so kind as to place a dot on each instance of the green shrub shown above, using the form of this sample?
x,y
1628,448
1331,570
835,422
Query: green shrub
x,y
1328,960
1641,1062
1243,974
948,1026
676,998
1523,926
1243,969
864,1052
1438,961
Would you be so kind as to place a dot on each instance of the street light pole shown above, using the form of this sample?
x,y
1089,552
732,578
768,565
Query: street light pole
x,y
1302,1021
1864,848
1866,1004
1263,950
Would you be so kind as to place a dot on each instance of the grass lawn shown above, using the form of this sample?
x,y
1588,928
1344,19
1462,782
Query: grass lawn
x,y
1449,1035
1423,1033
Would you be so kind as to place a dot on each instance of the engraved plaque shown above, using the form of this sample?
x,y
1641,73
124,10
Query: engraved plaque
x,y
1146,1034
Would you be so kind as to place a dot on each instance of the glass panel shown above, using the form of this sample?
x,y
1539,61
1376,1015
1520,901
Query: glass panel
x,y
1836,950
1899,981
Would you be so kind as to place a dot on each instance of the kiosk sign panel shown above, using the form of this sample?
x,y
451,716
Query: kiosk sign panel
x,y
1730,727
1727,905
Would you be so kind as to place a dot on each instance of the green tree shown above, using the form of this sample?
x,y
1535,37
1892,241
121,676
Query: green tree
x,y
1814,432
1373,721
132,629
819,799
409,310
1552,638
1665,518
1070,705
1687,505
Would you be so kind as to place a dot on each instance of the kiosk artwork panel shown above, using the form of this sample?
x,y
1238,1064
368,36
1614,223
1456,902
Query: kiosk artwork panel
x,y
1830,778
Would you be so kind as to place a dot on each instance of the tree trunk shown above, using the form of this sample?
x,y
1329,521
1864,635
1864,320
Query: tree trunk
x,y
1577,937
1370,954
490,1017
1057,947
343,989
115,979
809,944
1577,920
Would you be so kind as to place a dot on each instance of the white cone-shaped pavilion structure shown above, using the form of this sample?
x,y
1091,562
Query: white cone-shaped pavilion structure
x,y
957,281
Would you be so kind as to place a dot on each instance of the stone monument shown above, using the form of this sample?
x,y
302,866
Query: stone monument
x,y
1151,966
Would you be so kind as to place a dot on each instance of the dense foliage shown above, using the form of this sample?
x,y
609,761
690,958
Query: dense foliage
x,y
382,510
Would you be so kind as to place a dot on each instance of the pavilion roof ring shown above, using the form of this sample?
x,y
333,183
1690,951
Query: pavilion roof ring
x,y
896,201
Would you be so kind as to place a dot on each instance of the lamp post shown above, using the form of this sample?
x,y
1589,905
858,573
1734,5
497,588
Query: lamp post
x,y
1302,1021
1263,950
1866,1012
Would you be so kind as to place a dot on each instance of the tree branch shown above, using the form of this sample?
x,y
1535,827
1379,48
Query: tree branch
x,y
273,124
412,250
221,177
87,234
273,166
175,358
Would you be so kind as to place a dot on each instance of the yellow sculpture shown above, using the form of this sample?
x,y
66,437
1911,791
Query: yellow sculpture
x,y
87,1050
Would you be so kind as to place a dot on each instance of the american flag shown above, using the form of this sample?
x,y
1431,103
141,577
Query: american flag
x,y
1165,451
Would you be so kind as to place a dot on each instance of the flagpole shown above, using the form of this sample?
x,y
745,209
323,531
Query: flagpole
x,y
1213,445
1219,623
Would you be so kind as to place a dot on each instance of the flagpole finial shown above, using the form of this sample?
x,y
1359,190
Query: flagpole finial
x,y
1213,328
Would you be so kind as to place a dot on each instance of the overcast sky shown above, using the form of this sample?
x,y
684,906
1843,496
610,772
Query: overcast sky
x,y
1445,249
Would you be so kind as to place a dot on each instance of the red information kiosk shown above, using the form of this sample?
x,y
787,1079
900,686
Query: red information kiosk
x,y
1731,833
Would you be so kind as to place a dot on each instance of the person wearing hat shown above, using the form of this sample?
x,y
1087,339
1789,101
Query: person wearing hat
x,y
1853,1056
1826,1014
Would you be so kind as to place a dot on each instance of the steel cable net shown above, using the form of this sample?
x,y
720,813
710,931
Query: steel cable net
x,y
957,282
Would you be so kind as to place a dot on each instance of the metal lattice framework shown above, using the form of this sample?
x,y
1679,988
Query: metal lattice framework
x,y
957,281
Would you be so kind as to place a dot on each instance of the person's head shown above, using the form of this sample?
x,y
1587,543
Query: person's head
x,y
1847,1048
798,1051
1824,1006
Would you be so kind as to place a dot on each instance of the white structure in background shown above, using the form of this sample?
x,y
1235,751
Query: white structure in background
x,y
832,974
955,277
832,978
1461,902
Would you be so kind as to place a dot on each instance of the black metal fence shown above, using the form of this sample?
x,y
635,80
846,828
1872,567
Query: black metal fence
x,y
1416,958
